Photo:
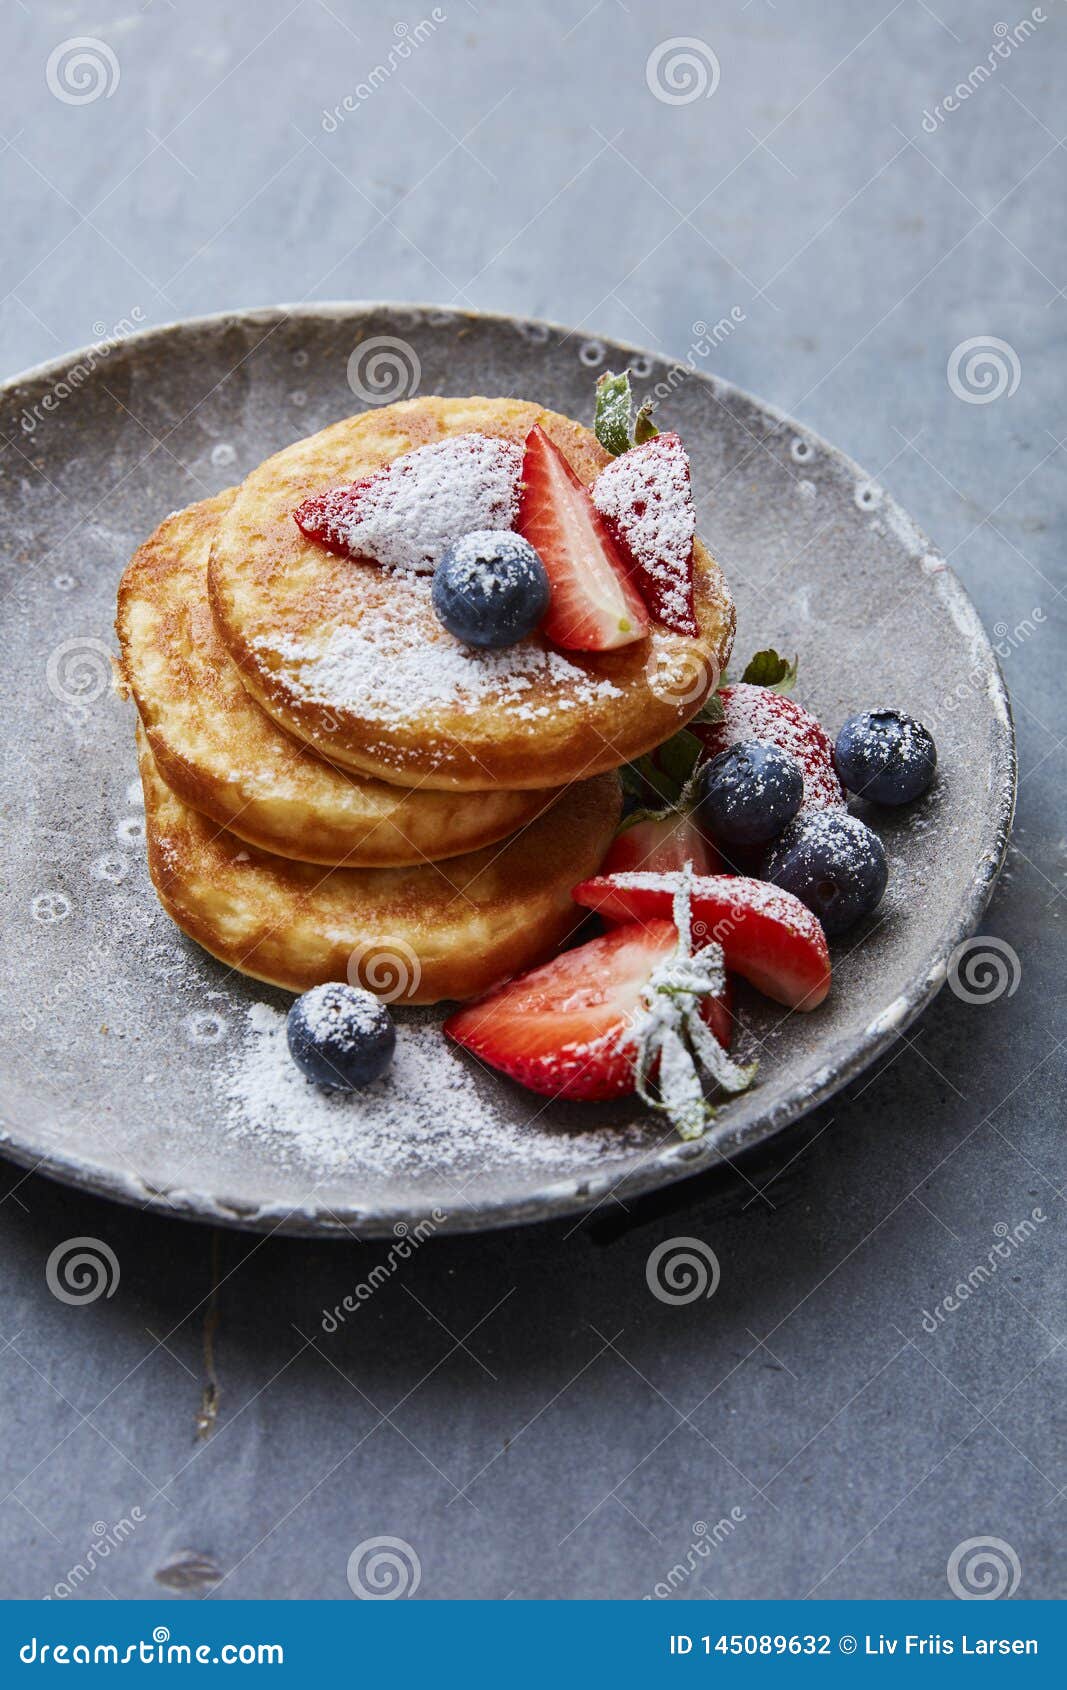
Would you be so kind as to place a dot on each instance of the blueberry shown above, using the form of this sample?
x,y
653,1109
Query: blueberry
x,y
833,863
490,588
885,755
341,1036
749,793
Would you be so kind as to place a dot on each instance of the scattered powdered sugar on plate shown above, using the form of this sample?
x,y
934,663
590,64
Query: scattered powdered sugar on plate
x,y
646,496
429,1112
404,515
375,667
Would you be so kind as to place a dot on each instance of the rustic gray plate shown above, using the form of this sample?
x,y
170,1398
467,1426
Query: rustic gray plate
x,y
126,1051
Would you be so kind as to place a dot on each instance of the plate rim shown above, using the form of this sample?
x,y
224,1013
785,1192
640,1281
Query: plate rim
x,y
577,1195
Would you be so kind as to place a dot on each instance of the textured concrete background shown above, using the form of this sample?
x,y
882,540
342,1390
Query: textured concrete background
x,y
518,1408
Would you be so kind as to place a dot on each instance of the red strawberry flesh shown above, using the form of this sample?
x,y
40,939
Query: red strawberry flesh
x,y
646,497
658,844
768,936
563,1029
595,606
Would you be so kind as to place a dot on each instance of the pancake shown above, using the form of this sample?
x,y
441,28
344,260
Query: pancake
x,y
351,658
223,755
413,935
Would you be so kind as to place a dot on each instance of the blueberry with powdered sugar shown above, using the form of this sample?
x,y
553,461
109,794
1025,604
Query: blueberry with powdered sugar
x,y
885,756
341,1037
490,589
749,793
833,863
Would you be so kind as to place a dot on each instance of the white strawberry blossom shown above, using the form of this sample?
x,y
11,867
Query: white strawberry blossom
x,y
669,1027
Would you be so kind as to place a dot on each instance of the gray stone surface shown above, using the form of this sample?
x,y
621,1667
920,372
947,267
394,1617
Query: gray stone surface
x,y
518,1407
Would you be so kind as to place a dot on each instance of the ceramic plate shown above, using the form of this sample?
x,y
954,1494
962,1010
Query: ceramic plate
x,y
138,1067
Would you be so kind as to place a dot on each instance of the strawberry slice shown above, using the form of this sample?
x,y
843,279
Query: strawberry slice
x,y
772,718
647,499
595,606
404,515
659,843
563,1029
767,935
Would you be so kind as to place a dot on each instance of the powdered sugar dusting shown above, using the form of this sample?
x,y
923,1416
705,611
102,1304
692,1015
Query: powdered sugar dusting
x,y
341,1013
430,1112
759,713
376,668
404,515
646,496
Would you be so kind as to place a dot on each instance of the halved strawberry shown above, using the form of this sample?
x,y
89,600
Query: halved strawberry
x,y
563,1029
767,935
773,718
659,843
405,514
646,496
595,606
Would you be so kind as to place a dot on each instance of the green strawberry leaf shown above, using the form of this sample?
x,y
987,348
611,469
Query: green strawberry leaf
x,y
767,669
614,408
644,427
677,758
711,710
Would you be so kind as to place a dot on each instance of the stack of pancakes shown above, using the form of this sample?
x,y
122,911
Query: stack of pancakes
x,y
336,788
